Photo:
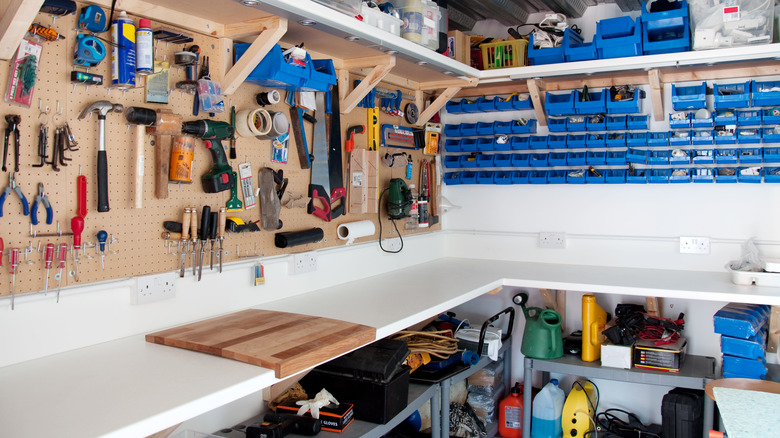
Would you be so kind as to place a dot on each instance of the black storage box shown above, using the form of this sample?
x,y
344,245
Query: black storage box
x,y
681,413
371,378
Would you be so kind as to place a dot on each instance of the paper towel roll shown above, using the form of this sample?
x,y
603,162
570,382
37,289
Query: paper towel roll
x,y
353,230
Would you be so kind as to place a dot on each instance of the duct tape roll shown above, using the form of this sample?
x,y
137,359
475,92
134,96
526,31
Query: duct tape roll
x,y
253,122
294,238
354,230
279,124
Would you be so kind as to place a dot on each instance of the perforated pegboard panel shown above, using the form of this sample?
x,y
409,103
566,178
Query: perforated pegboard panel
x,y
138,247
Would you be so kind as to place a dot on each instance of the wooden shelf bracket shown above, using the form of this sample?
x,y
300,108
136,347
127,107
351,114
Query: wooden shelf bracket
x,y
271,31
656,90
536,89
382,65
451,88
16,18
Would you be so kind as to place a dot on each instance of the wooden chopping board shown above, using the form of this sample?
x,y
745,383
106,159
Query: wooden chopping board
x,y
284,342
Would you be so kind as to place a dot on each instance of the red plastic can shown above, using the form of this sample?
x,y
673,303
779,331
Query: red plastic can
x,y
510,414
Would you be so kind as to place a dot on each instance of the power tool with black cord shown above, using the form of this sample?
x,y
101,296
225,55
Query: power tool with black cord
x,y
280,425
221,176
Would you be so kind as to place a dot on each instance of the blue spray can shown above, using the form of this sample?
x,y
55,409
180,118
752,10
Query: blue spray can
x,y
123,53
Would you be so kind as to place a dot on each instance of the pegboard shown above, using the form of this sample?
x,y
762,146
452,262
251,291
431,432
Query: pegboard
x,y
137,241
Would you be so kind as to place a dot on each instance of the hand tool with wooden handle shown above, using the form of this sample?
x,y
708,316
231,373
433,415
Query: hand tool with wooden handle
x,y
194,238
222,221
185,235
205,227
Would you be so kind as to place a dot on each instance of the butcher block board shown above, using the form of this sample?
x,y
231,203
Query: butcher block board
x,y
284,342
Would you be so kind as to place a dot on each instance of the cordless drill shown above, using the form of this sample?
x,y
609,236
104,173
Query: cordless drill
x,y
279,425
221,176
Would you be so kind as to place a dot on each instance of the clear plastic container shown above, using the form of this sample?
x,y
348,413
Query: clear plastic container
x,y
375,17
420,22
730,23
547,412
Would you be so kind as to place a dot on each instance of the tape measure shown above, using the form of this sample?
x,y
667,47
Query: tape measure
x,y
89,51
93,19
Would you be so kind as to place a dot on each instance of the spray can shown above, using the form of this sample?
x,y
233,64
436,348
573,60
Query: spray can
x,y
123,53
144,46
182,153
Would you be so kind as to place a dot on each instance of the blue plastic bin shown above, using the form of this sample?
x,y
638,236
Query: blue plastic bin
x,y
638,122
749,135
556,141
468,177
528,128
452,178
770,135
556,176
772,174
486,144
484,128
452,129
766,93
538,160
576,124
639,176
666,31
659,176
689,97
322,75
502,127
731,95
679,138
469,106
595,140
557,159
751,155
451,161
575,159
468,129
522,102
658,157
468,161
725,139
720,156
575,49
678,176
273,71
598,177
626,106
772,155
676,123
593,124
537,177
520,143
770,116
552,55
556,125
596,104
485,104
749,118
575,141
502,160
636,139
616,158
706,122
520,160
751,348
637,156
502,177
702,137
680,156
596,158
750,175
452,145
618,37
520,177
573,176
725,117
560,104
724,175
485,177
502,143
701,175
616,123
616,139
453,107
537,142
657,138
615,176
468,145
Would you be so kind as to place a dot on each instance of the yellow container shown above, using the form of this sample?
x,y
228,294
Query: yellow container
x,y
594,320
503,54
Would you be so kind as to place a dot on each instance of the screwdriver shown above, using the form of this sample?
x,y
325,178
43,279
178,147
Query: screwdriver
x,y
213,223
62,254
48,256
102,236
2,246
81,185
221,234
194,235
77,226
13,260
205,219
185,236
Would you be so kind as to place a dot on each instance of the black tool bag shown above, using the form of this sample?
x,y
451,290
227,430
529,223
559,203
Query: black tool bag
x,y
681,413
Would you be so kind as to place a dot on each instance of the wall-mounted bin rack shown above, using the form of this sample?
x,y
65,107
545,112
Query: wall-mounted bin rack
x,y
575,49
596,158
615,176
575,141
636,156
680,176
770,116
749,118
575,159
520,143
766,93
594,102
636,139
520,177
770,135
595,140
618,37
680,156
680,120
638,122
751,155
731,95
502,177
514,102
560,104
616,140
750,175
537,142
689,97
667,31
750,135
485,177
556,159
658,139
502,160
596,123
680,138
537,177
725,117
659,176
556,141
616,158
617,123
626,106
520,160
702,175
556,125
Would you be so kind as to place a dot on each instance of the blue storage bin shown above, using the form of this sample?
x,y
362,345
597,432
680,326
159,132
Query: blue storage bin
x,y
556,125
708,156
502,160
725,117
596,104
596,123
520,177
766,93
725,175
452,145
680,138
529,127
631,106
771,174
557,176
559,104
557,159
615,176
722,156
452,130
537,177
505,103
522,102
749,118
468,129
575,141
556,141
637,122
702,175
485,104
538,160
752,348
485,177
616,123
502,127
658,139
706,122
639,176
575,49
595,140
746,136
731,95
636,139
273,71
486,144
552,55
638,156
502,143
772,155
616,139
468,161
751,155
537,142
520,160
519,143
703,137
725,139
618,37
469,106
666,31
750,175
680,156
678,176
484,128
452,178
675,122
451,161
596,158
770,135
322,75
502,177
453,107
616,158
576,124
659,176
468,177
770,116
689,97
468,145
658,157
572,177
575,159
597,177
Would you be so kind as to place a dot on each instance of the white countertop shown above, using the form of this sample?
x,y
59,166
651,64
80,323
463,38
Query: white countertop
x,y
131,388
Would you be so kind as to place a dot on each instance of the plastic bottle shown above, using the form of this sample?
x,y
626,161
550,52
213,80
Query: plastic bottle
x,y
547,412
510,414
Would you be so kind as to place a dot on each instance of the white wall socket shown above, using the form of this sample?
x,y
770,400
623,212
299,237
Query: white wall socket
x,y
694,245
304,262
155,287
549,239
392,244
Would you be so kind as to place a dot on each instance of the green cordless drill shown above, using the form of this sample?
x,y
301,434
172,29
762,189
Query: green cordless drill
x,y
221,176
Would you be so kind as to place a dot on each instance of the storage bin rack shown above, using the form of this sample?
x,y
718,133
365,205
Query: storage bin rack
x,y
666,31
483,104
618,37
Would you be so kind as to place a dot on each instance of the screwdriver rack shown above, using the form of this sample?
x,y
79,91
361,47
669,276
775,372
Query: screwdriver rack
x,y
135,246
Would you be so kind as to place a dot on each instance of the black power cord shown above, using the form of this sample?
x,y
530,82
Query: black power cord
x,y
379,216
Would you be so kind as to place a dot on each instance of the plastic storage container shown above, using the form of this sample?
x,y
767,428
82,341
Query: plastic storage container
x,y
377,18
597,177
730,23
274,71
560,104
618,37
503,54
766,93
689,97
547,412
574,49
666,31
420,22
596,102
731,95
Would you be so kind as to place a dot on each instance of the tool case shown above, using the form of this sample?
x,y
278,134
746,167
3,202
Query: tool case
x,y
681,413
372,378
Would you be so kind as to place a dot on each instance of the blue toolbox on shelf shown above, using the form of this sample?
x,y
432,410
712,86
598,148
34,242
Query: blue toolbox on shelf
x,y
744,368
274,71
616,158
556,125
638,122
592,102
596,123
689,97
502,177
575,141
537,177
520,177
575,159
575,49
625,106
731,95
753,347
485,160
666,31
749,174
596,158
560,104
702,175
519,143
678,176
616,123
766,93
520,160
618,37
751,155
615,176
485,177
749,118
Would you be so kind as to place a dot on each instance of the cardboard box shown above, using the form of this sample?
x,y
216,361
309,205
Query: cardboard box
x,y
459,46
664,358
333,419
616,356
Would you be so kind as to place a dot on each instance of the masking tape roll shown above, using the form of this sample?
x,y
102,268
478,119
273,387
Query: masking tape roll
x,y
262,122
353,230
253,122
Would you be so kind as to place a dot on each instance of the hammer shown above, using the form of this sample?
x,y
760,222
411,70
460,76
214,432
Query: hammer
x,y
102,107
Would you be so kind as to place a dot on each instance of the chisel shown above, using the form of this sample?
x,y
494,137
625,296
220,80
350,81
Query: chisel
x,y
185,236
221,234
205,221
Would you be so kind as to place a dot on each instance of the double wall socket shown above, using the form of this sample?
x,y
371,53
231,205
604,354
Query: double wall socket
x,y
549,239
155,287
304,262
694,245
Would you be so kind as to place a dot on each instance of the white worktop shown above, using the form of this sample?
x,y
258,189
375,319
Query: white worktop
x,y
131,388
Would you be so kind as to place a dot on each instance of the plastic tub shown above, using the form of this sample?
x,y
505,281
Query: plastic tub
x,y
618,37
575,49
750,135
468,145
469,106
452,161
556,125
679,138
680,156
708,156
453,107
766,93
596,103
726,175
772,155
705,122
634,105
537,177
484,128
772,174
770,116
596,158
616,158
452,130
273,71
468,161
502,177
616,123
380,20
638,122
658,139
725,117
452,145
639,177
666,31
486,144
560,104
322,75
730,24
468,129
731,95
575,159
502,143
520,160
770,135
596,178
552,55
468,177
519,143
557,176
503,54
751,155
689,97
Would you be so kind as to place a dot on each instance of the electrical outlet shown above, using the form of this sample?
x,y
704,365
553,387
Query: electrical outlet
x,y
694,245
155,287
549,239
392,244
304,262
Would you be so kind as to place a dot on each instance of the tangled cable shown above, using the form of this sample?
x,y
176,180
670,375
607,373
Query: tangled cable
x,y
439,343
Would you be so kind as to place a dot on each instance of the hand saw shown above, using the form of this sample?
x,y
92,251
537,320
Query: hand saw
x,y
319,188
338,194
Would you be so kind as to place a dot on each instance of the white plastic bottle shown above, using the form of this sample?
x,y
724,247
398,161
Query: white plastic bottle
x,y
547,411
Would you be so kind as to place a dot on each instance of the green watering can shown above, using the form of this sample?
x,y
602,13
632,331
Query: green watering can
x,y
542,336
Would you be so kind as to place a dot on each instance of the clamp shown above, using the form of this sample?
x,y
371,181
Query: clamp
x,y
15,188
13,121
43,199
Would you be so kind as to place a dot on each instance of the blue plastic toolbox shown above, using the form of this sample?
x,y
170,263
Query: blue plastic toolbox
x,y
766,93
702,175
659,176
502,160
616,140
751,175
627,106
751,155
575,159
745,368
689,97
596,158
520,160
770,116
485,177
502,177
274,71
573,177
618,37
537,177
616,158
678,176
559,104
576,123
575,141
556,125
595,102
452,178
666,31
638,122
596,123
519,143
749,118
575,49
538,160
753,347
616,123
520,177
615,176
731,95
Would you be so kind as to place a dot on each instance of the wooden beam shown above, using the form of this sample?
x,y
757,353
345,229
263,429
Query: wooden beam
x,y
249,28
275,28
450,83
536,89
382,66
419,99
16,19
494,89
653,306
774,330
182,20
656,94
436,105
344,85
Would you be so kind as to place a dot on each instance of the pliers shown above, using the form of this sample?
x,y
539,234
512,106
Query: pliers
x,y
13,187
42,198
13,121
